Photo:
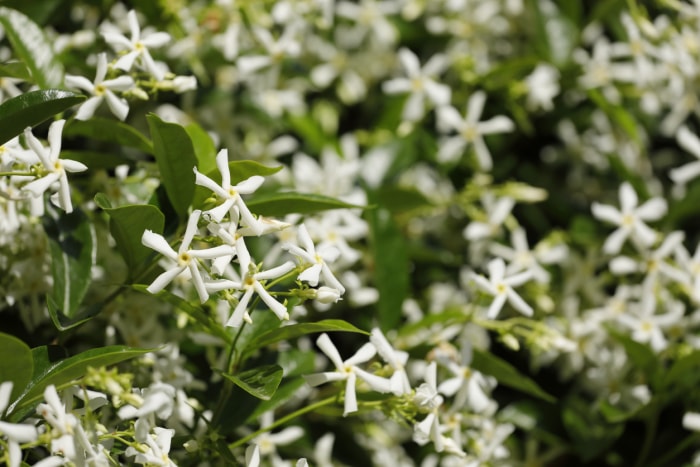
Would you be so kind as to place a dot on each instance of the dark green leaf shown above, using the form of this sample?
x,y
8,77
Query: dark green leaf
x,y
176,160
260,382
280,204
590,433
391,267
684,373
48,371
112,131
32,108
399,199
296,330
32,47
15,363
285,392
127,224
507,375
73,248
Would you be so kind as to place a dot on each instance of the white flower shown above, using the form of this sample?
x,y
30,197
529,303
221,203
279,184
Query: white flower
x,y
467,385
231,194
101,90
185,258
542,86
501,288
691,143
470,131
137,47
395,358
348,371
419,83
315,262
157,445
54,168
16,433
497,212
630,219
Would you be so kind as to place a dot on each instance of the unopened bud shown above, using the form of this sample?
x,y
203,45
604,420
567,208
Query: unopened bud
x,y
327,295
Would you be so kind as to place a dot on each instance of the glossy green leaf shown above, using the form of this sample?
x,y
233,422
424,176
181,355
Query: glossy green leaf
x,y
195,312
176,160
401,199
32,108
112,131
507,374
204,148
48,370
297,330
127,224
73,249
32,47
260,382
391,267
280,204
16,363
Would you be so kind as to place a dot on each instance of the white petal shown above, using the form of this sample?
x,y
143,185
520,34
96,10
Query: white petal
x,y
475,106
496,306
350,397
119,107
87,109
409,61
628,197
606,213
157,242
326,345
249,185
688,141
451,149
613,244
518,303
652,210
164,279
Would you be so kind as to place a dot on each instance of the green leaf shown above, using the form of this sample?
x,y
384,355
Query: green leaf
x,y
15,363
507,375
204,148
127,224
309,130
15,69
391,267
280,204
285,392
112,131
590,433
556,35
297,330
176,160
619,115
684,374
260,382
401,199
32,47
32,108
73,250
48,370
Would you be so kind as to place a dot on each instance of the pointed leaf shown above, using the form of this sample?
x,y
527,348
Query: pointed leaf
x,y
32,47
32,108
297,330
176,160
507,375
127,224
260,382
73,249
112,131
280,204
204,148
48,370
15,363
15,69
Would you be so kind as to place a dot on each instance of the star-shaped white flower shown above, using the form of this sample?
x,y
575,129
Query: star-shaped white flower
x,y
629,219
231,194
101,90
54,168
501,287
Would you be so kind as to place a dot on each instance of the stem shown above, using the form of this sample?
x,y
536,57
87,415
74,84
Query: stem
x,y
678,448
651,427
283,420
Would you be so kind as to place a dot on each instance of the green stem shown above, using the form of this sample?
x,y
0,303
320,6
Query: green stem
x,y
19,174
652,424
283,420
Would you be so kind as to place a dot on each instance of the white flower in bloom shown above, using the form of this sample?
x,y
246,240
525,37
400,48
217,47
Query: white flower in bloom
x,y
348,371
395,358
268,442
501,287
420,83
157,445
630,219
15,433
316,261
54,168
101,90
137,47
62,422
185,258
470,131
542,87
691,143
231,194
497,212
467,385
